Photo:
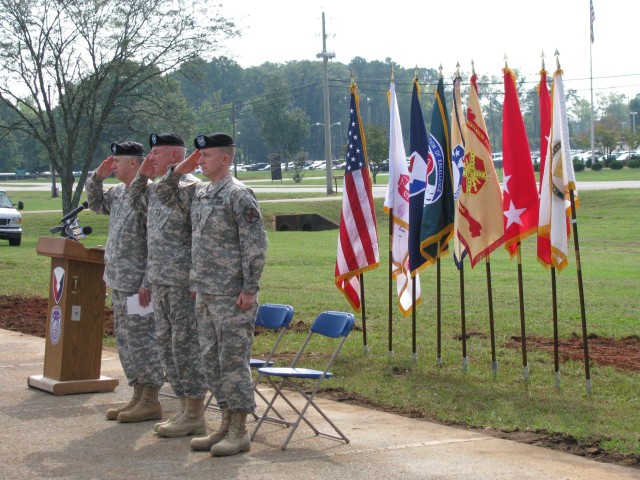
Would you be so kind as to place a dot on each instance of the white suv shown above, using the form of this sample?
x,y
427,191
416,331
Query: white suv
x,y
10,220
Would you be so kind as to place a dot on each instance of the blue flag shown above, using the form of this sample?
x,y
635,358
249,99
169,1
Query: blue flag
x,y
438,211
419,147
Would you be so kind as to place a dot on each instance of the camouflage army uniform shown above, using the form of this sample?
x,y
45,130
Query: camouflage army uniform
x,y
228,256
124,274
169,258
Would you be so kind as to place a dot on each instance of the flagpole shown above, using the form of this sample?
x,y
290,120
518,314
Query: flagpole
x,y
439,311
413,321
593,137
554,306
390,311
583,316
494,363
364,316
465,358
525,367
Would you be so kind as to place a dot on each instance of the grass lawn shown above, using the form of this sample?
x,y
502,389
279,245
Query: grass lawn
x,y
300,270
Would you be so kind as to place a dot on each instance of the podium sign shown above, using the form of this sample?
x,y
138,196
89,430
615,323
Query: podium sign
x,y
73,349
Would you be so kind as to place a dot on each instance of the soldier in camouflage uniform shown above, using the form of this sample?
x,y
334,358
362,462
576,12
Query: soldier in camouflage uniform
x,y
124,274
169,258
228,256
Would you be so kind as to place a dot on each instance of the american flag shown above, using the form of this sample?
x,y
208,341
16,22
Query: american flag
x,y
593,17
358,238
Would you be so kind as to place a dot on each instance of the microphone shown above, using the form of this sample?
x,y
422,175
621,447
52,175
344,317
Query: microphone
x,y
74,212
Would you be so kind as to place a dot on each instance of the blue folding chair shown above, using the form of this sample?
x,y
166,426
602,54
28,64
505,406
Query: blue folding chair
x,y
336,325
271,316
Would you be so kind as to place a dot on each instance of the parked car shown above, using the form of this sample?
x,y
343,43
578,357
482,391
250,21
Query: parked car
x,y
10,220
256,166
623,157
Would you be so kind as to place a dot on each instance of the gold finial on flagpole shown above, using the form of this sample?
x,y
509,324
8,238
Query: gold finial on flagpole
x,y
353,78
473,68
440,76
542,58
505,60
393,74
416,73
557,55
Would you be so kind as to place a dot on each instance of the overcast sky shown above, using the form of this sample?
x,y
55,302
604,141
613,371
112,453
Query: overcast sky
x,y
431,33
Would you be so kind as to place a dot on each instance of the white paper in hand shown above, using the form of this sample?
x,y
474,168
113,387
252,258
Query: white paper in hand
x,y
134,308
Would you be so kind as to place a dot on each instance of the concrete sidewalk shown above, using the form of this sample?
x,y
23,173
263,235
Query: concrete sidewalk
x,y
67,437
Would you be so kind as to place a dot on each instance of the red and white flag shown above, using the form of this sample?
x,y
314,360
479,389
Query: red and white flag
x,y
544,100
519,193
558,179
358,238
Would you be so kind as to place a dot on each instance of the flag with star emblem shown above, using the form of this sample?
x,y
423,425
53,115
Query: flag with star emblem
x,y
519,192
419,146
457,164
558,179
544,100
480,226
396,203
358,237
437,213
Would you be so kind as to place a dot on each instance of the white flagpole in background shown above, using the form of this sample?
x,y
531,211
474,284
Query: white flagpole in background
x,y
592,17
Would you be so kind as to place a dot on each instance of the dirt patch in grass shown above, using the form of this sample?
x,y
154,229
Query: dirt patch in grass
x,y
29,316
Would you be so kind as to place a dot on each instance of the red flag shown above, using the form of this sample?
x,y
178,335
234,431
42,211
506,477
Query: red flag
x,y
519,192
544,243
358,238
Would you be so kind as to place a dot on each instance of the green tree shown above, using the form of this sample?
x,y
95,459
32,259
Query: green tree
x,y
607,133
67,67
377,139
283,127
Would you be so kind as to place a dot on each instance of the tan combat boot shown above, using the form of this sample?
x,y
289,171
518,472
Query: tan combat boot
x,y
112,413
172,418
204,444
237,440
148,408
190,422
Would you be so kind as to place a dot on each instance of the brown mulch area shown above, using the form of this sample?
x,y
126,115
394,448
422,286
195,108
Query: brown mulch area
x,y
29,316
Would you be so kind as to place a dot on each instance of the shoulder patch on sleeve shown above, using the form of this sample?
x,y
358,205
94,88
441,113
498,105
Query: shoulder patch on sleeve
x,y
251,215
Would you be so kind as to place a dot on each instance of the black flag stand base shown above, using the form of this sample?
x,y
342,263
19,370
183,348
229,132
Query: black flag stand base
x,y
494,368
556,377
525,373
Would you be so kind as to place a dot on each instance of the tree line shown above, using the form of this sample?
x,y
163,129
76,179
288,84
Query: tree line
x,y
78,75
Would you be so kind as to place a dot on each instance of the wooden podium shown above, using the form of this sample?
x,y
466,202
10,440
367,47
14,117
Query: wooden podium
x,y
73,350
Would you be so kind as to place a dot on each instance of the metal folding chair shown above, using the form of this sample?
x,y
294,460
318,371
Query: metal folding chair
x,y
271,316
336,325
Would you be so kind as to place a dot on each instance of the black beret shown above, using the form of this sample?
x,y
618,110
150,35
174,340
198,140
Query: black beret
x,y
127,148
213,140
160,139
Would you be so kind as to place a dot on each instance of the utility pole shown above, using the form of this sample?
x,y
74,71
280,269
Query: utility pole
x,y
327,117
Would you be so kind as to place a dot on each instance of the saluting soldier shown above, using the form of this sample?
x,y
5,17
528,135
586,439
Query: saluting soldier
x,y
229,247
125,275
169,246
